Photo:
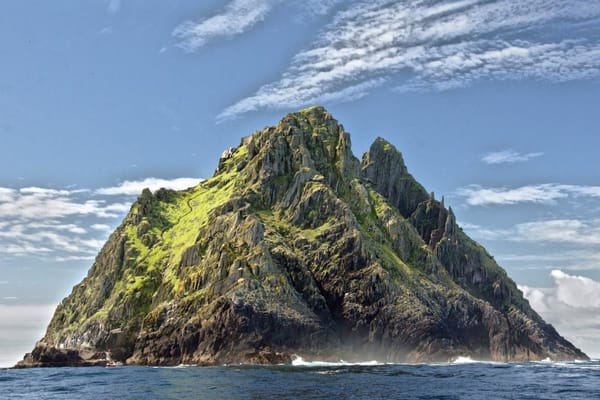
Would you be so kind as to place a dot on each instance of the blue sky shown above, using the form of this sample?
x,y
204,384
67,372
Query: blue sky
x,y
493,104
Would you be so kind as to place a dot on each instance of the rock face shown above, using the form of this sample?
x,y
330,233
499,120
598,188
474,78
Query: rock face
x,y
295,247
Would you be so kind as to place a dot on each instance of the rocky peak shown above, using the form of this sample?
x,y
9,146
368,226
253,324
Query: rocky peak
x,y
304,145
321,140
384,167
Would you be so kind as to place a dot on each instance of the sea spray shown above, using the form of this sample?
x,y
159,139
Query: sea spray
x,y
300,362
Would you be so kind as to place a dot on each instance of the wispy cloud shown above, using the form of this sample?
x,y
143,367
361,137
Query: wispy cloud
x,y
572,305
482,233
579,232
43,204
26,237
584,258
477,195
23,249
508,157
462,64
427,45
100,227
237,17
320,7
569,231
134,188
74,258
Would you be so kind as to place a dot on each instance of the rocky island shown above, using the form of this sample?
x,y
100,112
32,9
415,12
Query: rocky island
x,y
295,247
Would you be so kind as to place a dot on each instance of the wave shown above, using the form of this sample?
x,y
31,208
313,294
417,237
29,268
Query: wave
x,y
465,360
180,366
550,361
545,362
300,362
461,360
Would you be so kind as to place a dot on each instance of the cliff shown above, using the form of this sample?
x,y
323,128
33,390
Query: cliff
x,y
295,247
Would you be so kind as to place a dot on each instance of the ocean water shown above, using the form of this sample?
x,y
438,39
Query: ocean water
x,y
461,380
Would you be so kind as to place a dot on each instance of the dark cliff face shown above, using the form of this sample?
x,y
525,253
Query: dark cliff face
x,y
295,247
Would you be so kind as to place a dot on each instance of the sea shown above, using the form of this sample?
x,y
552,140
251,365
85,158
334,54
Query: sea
x,y
463,379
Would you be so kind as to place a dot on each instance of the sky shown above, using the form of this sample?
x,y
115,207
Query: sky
x,y
494,105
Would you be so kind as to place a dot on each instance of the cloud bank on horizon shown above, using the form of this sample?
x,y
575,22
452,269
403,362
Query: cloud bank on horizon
x,y
416,45
572,305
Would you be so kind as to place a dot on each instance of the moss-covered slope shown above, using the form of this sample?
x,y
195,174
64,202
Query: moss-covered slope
x,y
294,246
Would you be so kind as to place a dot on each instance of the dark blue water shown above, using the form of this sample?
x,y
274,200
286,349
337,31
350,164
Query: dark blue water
x,y
449,381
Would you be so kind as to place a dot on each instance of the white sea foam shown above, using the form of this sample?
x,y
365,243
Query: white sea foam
x,y
574,365
464,360
300,362
180,366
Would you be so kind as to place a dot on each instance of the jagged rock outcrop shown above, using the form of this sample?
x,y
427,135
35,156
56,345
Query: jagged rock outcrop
x,y
295,247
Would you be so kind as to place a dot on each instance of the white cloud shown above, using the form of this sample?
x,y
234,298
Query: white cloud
x,y
536,297
134,188
319,7
437,45
237,17
477,195
71,228
481,232
580,259
6,194
44,192
23,249
508,156
592,191
577,232
100,227
458,65
45,204
576,291
24,238
271,97
570,231
74,258
572,305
